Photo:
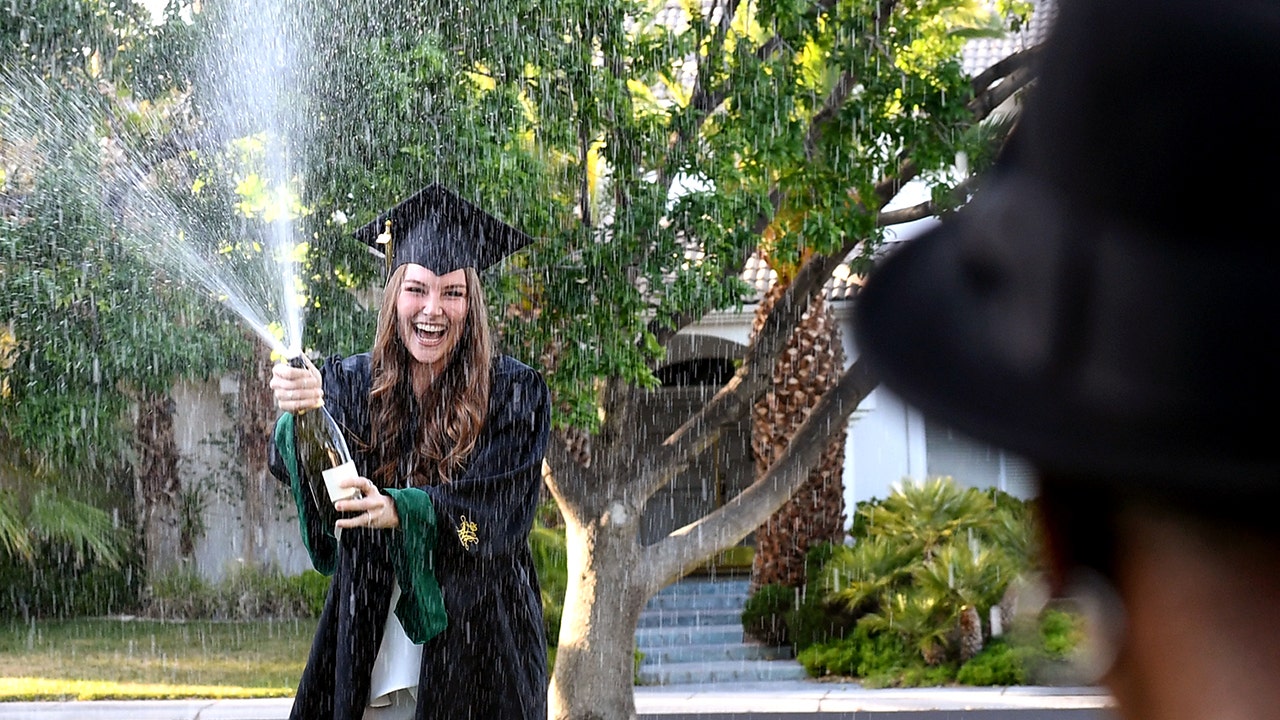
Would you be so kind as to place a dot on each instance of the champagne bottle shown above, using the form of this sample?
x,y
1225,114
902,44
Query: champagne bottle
x,y
324,458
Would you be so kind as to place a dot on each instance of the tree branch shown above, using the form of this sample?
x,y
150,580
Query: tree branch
x,y
754,377
568,481
686,547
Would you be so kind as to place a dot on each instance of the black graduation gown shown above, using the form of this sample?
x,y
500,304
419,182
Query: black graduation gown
x,y
469,592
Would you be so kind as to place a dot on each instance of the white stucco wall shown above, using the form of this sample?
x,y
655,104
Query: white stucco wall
x,y
205,438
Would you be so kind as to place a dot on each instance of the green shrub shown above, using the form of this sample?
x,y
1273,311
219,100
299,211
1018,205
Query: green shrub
x,y
180,594
1034,652
919,675
54,585
814,621
247,594
551,560
823,659
764,616
861,654
1060,633
817,558
863,511
313,587
998,664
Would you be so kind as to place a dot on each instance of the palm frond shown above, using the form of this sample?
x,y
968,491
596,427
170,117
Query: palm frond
x,y
15,538
933,512
88,531
856,578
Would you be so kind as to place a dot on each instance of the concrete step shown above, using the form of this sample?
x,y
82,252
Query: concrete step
x,y
688,635
681,617
707,586
690,600
722,671
691,633
714,653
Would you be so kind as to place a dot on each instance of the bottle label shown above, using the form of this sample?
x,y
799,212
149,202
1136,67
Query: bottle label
x,y
333,476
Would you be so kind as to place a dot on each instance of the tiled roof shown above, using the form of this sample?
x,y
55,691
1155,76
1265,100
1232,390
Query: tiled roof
x,y
981,53
842,285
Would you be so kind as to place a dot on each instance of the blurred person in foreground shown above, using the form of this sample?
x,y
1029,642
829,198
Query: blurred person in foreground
x,y
434,610
1105,307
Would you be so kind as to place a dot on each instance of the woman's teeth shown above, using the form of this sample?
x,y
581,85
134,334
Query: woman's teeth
x,y
429,331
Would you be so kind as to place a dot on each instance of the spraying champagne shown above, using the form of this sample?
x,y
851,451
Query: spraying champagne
x,y
324,458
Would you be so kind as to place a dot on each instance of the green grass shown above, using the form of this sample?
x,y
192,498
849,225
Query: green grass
x,y
95,659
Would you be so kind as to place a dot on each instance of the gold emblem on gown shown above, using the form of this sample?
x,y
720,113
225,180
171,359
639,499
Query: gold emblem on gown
x,y
467,532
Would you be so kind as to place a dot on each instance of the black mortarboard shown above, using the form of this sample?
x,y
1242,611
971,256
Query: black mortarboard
x,y
441,232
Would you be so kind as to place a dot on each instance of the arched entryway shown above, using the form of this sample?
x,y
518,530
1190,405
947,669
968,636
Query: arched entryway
x,y
696,369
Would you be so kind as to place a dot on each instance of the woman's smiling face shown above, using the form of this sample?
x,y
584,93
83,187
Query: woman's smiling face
x,y
432,313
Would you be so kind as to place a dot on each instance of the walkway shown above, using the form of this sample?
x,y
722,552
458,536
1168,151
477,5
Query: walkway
x,y
778,700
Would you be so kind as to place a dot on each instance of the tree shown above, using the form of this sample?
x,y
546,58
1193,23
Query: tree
x,y
57,42
98,327
814,108
648,147
584,133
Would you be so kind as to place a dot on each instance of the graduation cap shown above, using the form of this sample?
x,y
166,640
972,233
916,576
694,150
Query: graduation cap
x,y
441,232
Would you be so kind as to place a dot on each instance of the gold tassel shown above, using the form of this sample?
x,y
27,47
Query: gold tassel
x,y
384,238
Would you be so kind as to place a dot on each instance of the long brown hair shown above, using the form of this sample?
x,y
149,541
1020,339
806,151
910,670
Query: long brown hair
x,y
453,409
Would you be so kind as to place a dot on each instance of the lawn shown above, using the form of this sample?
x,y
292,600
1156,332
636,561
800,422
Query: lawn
x,y
135,659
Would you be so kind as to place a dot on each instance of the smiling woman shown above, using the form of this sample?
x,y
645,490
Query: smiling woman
x,y
435,609
432,310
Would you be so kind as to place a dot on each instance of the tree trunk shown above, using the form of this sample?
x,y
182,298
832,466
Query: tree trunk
x,y
970,633
808,367
594,675
257,414
158,483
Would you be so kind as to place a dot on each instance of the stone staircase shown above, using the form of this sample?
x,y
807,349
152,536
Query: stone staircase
x,y
691,633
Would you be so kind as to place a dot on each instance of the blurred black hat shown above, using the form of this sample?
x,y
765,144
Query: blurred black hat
x,y
441,232
1105,306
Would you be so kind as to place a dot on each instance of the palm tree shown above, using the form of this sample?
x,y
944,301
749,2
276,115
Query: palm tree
x,y
35,512
969,575
857,578
922,619
932,513
809,366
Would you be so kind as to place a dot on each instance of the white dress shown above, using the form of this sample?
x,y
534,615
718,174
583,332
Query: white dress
x,y
393,692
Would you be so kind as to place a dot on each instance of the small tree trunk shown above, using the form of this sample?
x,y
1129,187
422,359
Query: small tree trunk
x,y
970,633
257,413
158,483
